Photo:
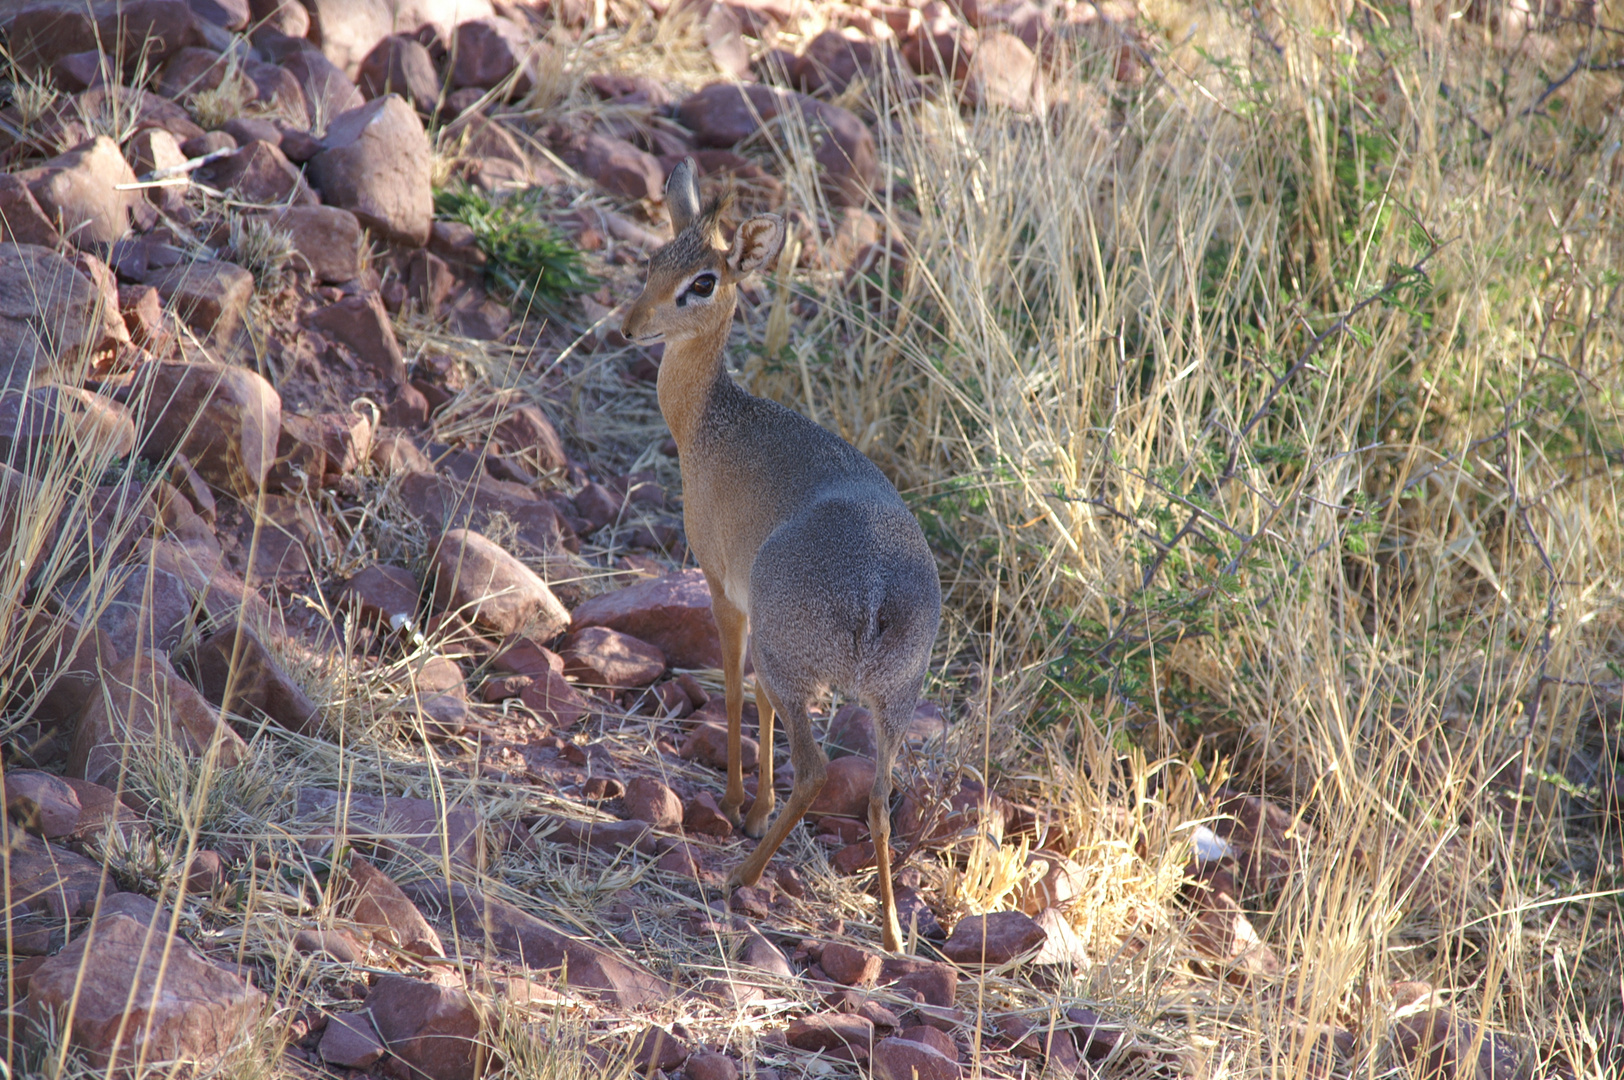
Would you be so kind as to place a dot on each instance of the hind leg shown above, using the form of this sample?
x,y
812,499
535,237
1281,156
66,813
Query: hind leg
x,y
889,726
811,769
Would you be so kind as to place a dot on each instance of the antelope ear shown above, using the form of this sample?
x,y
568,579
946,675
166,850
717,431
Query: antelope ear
x,y
682,195
756,244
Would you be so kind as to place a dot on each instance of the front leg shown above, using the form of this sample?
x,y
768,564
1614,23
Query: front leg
x,y
733,627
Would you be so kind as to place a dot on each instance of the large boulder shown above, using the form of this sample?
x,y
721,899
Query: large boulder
x,y
79,192
476,578
225,419
350,29
672,613
132,996
143,701
375,163
49,312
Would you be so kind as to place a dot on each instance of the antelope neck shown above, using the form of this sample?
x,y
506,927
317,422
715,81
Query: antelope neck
x,y
689,371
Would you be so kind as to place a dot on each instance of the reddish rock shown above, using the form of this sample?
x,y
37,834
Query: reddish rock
x,y
649,800
491,924
326,242
371,899
190,1008
38,287
480,580
399,64
325,89
600,657
1438,1044
445,503
288,538
361,324
22,220
51,881
60,659
968,810
993,940
845,792
657,1048
1002,72
489,50
208,295
711,1065
671,613
142,700
849,965
852,730
78,192
933,982
44,804
554,700
205,873
707,744
617,166
703,817
609,836
432,1032
375,163
236,671
351,1041
39,424
393,822
840,1035
942,45
381,596
905,1059
260,173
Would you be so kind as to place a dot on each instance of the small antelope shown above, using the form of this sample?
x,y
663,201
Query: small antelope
x,y
804,542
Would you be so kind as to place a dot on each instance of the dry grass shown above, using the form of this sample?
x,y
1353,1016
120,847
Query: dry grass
x,y
1266,418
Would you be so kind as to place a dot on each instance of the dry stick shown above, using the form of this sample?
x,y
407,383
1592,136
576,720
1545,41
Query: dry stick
x,y
1232,464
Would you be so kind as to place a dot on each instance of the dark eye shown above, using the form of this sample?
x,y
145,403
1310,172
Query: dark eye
x,y
703,285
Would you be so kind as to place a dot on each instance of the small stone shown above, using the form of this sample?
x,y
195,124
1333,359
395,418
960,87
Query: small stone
x,y
350,1041
993,940
434,1031
838,1034
707,744
334,944
399,64
849,965
235,660
208,295
1062,944
703,817
380,595
600,657
933,982
370,898
904,1059
205,873
647,799
362,325
260,173
845,793
22,220
1002,72
712,1065
326,241
658,1049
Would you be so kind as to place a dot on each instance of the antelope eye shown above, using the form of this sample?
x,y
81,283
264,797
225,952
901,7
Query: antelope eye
x,y
703,285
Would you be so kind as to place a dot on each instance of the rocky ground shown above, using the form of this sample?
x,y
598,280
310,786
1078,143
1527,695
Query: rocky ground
x,y
356,666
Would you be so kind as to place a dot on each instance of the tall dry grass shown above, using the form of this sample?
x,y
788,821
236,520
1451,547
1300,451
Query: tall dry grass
x,y
1268,418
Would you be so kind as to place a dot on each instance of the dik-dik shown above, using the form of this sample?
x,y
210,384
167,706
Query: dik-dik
x,y
806,545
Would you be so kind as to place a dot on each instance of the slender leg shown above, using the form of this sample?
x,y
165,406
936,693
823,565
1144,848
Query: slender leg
x,y
755,822
811,769
731,624
879,823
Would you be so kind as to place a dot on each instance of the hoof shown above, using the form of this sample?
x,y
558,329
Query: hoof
x,y
731,812
755,823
